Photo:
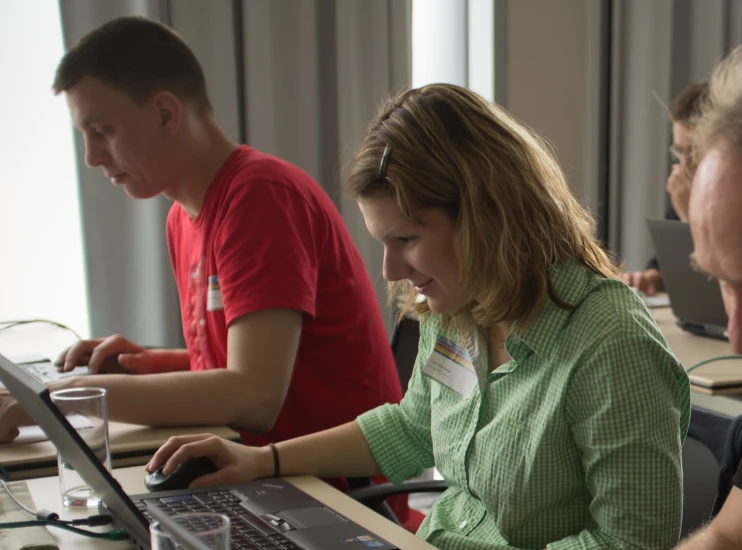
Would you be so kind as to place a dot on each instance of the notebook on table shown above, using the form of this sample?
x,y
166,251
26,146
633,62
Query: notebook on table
x,y
722,378
270,513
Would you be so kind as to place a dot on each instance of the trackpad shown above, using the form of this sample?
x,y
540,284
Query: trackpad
x,y
302,518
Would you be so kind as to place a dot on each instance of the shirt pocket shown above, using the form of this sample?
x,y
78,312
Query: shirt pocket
x,y
501,466
452,425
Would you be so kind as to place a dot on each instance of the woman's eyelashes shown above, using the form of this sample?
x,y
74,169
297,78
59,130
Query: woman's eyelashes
x,y
406,241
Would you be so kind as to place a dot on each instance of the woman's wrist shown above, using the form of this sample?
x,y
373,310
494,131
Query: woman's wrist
x,y
265,463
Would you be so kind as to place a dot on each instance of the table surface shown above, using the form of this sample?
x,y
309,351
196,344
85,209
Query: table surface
x,y
691,349
45,493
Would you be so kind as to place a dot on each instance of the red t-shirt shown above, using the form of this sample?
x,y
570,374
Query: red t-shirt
x,y
268,236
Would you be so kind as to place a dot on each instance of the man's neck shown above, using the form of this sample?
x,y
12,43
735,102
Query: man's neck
x,y
207,151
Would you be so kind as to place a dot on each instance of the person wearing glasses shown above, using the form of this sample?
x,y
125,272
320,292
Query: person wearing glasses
x,y
684,110
543,391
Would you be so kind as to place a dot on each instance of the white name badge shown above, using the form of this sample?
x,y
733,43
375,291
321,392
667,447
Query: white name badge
x,y
451,365
214,295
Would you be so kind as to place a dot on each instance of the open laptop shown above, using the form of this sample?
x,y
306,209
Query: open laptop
x,y
43,369
695,299
270,513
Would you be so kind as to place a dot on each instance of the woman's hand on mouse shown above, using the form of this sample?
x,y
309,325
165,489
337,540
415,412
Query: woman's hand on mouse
x,y
235,462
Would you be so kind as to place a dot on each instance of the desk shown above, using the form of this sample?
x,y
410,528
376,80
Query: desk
x,y
131,445
691,349
45,493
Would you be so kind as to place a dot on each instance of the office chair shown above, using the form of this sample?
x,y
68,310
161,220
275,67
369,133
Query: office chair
x,y
405,339
711,429
729,462
700,475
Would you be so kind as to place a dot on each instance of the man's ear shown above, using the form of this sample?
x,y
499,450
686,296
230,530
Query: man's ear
x,y
169,110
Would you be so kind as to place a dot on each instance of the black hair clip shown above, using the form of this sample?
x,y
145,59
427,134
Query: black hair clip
x,y
385,162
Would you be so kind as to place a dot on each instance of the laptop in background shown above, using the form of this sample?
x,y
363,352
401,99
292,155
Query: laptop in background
x,y
694,298
266,513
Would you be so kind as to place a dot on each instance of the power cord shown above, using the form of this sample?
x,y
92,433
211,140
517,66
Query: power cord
x,y
116,534
714,360
51,519
19,322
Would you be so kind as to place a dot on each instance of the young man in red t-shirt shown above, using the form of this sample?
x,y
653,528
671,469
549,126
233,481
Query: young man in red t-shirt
x,y
283,332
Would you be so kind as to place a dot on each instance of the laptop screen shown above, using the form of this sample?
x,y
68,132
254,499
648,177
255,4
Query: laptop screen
x,y
693,297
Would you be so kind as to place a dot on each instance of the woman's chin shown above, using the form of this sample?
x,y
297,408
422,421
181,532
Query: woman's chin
x,y
443,307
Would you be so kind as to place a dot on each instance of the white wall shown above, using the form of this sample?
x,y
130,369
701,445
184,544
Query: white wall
x,y
546,70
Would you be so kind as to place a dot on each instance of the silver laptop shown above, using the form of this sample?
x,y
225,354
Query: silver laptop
x,y
270,513
185,538
44,370
695,299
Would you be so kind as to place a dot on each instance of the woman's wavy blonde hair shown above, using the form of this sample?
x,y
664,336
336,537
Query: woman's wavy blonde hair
x,y
515,216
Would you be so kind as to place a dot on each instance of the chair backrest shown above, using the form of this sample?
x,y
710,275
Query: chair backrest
x,y
729,462
404,347
711,429
700,474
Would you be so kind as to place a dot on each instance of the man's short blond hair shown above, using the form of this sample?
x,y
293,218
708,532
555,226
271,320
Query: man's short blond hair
x,y
721,112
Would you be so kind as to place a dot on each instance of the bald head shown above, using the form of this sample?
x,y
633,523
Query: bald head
x,y
715,216
716,213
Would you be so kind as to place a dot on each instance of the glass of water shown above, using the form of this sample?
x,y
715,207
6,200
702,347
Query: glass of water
x,y
86,410
210,528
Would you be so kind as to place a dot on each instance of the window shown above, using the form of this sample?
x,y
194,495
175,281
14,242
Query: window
x,y
41,247
453,41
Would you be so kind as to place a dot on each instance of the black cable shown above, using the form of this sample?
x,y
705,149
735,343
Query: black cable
x,y
116,534
45,515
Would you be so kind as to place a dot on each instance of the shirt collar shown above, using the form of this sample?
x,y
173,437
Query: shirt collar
x,y
570,284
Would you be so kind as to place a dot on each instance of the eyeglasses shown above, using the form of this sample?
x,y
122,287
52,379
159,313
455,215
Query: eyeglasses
x,y
677,153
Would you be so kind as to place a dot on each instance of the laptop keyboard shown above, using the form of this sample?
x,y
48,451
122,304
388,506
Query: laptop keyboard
x,y
47,372
244,536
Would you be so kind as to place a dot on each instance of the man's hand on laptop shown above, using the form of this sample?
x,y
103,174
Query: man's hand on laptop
x,y
236,463
648,281
112,355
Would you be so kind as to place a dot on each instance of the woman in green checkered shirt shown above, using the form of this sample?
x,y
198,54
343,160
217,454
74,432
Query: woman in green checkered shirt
x,y
543,391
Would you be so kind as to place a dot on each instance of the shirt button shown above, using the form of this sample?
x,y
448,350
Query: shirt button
x,y
463,524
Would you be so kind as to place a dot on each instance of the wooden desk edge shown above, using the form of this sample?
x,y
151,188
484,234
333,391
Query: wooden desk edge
x,y
358,513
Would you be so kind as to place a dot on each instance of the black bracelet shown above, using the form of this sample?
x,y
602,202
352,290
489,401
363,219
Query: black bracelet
x,y
276,462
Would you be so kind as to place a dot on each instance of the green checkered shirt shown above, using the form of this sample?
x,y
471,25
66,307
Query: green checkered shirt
x,y
574,443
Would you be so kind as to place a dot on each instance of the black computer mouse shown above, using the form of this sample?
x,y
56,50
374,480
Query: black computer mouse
x,y
181,477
